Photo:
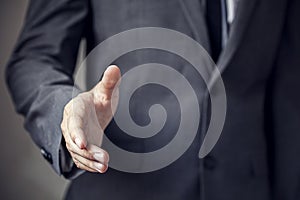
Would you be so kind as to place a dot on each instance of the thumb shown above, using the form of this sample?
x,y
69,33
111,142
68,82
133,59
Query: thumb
x,y
110,79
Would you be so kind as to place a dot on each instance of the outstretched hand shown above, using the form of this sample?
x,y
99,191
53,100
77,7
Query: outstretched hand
x,y
84,119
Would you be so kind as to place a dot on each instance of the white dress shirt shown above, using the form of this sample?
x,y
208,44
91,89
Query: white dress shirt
x,y
231,10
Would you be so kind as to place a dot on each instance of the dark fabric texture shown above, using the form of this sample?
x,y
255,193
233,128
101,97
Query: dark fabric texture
x,y
214,27
257,154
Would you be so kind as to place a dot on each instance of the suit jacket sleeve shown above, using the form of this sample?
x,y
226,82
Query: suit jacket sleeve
x,y
39,73
286,109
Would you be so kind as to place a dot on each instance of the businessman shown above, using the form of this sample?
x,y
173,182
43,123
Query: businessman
x,y
256,46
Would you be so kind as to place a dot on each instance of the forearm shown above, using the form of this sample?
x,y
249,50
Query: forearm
x,y
39,73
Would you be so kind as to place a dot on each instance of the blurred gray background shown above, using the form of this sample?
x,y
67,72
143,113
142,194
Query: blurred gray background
x,y
24,174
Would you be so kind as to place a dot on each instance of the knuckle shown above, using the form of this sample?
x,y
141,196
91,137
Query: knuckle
x,y
88,155
72,135
68,107
62,126
106,156
90,164
79,165
76,162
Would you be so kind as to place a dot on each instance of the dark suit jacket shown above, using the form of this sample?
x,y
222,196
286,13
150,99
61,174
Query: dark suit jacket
x,y
257,154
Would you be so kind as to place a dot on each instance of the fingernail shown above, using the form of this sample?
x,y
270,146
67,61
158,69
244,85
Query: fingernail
x,y
100,157
78,142
100,167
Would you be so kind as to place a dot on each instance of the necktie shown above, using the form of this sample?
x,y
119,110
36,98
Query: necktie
x,y
217,26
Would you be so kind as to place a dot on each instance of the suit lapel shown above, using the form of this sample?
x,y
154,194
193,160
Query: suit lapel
x,y
238,28
243,15
194,14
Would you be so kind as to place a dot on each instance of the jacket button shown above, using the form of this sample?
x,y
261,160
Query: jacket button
x,y
210,162
46,155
